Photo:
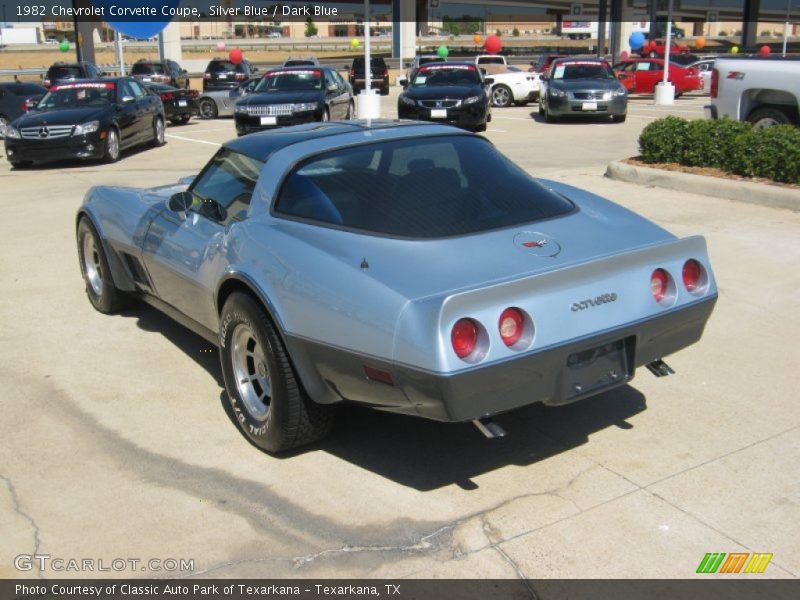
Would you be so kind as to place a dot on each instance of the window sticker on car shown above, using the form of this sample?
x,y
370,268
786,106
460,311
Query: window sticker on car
x,y
73,86
420,79
559,72
296,72
643,66
447,67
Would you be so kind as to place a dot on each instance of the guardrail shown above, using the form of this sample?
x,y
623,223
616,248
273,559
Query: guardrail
x,y
112,70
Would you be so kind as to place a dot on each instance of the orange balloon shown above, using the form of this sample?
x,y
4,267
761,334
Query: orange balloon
x,y
700,43
477,39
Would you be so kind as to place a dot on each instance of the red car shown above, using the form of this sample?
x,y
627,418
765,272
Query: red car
x,y
640,75
542,64
656,48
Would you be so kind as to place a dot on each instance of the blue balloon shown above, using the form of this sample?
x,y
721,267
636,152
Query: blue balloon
x,y
636,40
139,27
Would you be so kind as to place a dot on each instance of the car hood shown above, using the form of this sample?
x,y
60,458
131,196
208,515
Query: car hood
x,y
444,91
577,85
417,269
281,97
65,116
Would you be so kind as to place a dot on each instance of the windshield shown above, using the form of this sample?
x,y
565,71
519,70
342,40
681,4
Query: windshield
x,y
78,95
145,68
585,70
431,76
299,63
224,66
285,81
425,187
64,73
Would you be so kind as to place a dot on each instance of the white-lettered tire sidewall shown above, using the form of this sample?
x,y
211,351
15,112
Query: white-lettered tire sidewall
x,y
266,433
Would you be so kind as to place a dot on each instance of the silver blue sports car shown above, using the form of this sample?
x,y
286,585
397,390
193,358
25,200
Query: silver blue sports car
x,y
406,266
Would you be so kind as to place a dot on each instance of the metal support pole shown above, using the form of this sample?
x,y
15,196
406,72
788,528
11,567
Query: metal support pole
x,y
786,26
367,49
668,42
118,46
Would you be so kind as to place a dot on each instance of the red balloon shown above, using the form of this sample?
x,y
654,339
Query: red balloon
x,y
235,56
492,44
764,50
652,45
624,55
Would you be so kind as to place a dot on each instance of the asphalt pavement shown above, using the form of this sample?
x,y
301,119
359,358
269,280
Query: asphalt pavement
x,y
114,442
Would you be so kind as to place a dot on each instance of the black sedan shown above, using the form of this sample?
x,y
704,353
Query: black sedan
x,y
92,119
14,97
294,95
448,92
179,104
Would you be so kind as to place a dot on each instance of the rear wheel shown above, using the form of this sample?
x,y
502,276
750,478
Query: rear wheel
x,y
619,118
158,132
181,120
326,115
351,111
269,404
768,117
501,96
548,117
100,287
207,109
111,153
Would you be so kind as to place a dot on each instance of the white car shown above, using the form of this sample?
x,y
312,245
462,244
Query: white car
x,y
510,84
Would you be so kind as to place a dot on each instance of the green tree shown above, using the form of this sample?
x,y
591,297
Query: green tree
x,y
311,29
498,33
515,33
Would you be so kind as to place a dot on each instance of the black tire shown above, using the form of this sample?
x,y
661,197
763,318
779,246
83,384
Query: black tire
x,y
21,164
103,294
291,419
619,118
182,120
479,128
385,91
541,110
159,138
207,109
548,117
768,117
112,146
351,111
326,115
502,96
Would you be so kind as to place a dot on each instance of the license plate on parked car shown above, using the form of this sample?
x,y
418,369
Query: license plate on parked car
x,y
222,76
438,113
589,106
269,120
181,102
595,369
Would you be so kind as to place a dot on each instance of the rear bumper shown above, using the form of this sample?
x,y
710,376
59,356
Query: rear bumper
x,y
544,376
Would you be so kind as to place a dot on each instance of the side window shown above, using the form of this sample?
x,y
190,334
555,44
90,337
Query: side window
x,y
329,79
227,182
137,90
643,66
125,90
338,78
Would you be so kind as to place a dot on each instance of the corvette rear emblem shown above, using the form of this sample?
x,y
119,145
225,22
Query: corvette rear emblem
x,y
535,244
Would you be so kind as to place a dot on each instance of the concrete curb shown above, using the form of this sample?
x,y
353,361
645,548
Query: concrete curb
x,y
740,191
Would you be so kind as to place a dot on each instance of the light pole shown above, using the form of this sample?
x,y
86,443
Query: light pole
x,y
786,26
665,91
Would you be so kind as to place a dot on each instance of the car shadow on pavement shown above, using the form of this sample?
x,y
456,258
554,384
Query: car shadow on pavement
x,y
577,120
424,454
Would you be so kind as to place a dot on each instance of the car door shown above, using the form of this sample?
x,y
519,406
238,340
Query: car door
x,y
334,96
184,254
145,111
126,114
644,77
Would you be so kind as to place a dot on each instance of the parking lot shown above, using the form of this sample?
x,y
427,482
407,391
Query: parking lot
x,y
115,442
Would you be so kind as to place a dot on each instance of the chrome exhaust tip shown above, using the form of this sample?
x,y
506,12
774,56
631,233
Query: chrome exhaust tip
x,y
489,428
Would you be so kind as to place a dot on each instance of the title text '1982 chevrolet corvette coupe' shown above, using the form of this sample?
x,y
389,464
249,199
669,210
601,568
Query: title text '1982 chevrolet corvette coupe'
x,y
406,266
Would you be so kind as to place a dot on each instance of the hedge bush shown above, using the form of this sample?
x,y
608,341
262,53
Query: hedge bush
x,y
732,146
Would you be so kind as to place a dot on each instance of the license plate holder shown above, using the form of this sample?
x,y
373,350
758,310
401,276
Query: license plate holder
x,y
589,106
182,103
269,120
222,76
597,368
438,113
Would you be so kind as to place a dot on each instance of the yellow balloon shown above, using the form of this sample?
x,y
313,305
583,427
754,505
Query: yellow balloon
x,y
354,43
735,50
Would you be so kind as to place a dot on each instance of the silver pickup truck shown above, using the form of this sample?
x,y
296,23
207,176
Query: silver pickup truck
x,y
763,91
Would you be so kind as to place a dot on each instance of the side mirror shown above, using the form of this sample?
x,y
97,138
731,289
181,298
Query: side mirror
x,y
184,71
127,99
332,87
254,69
543,77
403,82
180,202
102,74
489,81
345,67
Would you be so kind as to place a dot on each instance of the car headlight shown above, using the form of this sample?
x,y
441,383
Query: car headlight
x,y
240,110
557,93
620,92
84,128
304,106
606,95
408,101
472,100
12,133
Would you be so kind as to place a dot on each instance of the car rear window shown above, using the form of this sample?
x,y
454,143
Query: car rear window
x,y
299,63
419,188
24,89
439,75
64,72
146,68
429,59
222,66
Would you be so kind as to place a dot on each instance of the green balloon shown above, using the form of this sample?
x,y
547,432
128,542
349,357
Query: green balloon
x,y
64,46
443,52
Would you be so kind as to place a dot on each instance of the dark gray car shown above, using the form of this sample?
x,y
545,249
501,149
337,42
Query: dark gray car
x,y
14,96
582,87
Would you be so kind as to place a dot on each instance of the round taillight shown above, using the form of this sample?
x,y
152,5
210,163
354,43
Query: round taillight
x,y
510,325
464,337
692,271
659,281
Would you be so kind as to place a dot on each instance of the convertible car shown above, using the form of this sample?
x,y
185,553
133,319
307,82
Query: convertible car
x,y
406,266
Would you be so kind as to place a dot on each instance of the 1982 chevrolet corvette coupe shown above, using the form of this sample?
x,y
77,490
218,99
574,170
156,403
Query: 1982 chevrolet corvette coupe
x,y
406,266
